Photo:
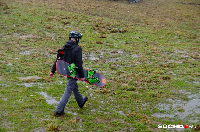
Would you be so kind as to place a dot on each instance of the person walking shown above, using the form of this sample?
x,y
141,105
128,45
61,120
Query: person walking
x,y
71,52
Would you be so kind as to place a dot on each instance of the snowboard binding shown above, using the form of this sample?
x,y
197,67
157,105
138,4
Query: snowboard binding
x,y
90,77
72,70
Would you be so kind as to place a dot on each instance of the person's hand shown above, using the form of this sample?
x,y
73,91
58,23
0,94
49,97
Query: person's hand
x,y
51,75
82,79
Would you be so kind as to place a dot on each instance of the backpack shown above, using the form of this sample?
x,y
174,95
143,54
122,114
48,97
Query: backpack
x,y
67,54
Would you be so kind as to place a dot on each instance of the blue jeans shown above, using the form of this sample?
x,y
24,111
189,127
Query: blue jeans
x,y
71,86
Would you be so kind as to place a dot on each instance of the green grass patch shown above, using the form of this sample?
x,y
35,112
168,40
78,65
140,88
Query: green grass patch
x,y
148,51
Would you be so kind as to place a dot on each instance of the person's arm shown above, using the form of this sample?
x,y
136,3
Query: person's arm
x,y
79,62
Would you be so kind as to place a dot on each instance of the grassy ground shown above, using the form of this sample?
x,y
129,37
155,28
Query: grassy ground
x,y
148,51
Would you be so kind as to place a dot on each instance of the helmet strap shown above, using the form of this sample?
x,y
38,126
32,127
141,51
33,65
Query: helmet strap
x,y
77,40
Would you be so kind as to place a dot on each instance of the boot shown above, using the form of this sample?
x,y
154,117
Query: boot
x,y
84,101
59,113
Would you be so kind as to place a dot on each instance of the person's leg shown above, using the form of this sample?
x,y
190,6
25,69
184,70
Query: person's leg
x,y
79,99
63,101
77,94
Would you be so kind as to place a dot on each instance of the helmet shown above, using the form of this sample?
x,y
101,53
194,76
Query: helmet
x,y
76,35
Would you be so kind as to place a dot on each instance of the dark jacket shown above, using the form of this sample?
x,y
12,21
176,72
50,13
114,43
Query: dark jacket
x,y
76,57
